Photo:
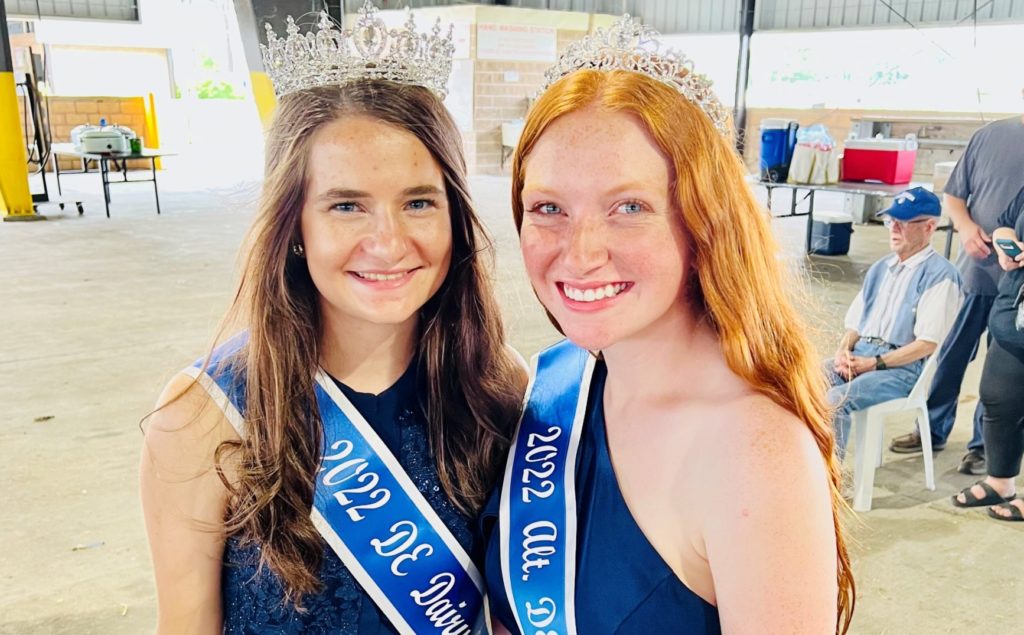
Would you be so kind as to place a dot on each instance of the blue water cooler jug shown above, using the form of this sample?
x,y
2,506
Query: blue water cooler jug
x,y
778,138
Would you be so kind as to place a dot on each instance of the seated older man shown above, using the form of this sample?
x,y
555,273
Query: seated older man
x,y
905,308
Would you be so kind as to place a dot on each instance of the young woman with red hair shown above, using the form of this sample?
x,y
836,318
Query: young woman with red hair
x,y
674,468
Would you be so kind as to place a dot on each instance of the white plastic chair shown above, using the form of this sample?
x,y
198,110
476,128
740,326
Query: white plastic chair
x,y
868,425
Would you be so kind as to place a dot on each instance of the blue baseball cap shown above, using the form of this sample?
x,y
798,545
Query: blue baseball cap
x,y
912,203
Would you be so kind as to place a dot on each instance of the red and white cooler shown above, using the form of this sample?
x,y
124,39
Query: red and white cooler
x,y
879,159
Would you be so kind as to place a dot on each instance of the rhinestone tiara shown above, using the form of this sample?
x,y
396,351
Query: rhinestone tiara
x,y
332,56
628,45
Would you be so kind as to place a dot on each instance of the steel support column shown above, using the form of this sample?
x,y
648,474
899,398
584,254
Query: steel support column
x,y
250,31
252,15
15,197
743,72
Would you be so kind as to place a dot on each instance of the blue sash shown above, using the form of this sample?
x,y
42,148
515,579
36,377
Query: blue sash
x,y
538,500
394,544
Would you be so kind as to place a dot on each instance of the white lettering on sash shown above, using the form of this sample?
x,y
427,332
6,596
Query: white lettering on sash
x,y
408,536
539,537
356,474
440,611
543,614
542,531
401,545
353,469
541,456
538,504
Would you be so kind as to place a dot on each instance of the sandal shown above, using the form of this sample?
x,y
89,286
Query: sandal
x,y
991,498
1015,514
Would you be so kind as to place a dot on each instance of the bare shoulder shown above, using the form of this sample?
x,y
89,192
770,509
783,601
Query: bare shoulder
x,y
767,522
183,501
770,481
186,428
763,440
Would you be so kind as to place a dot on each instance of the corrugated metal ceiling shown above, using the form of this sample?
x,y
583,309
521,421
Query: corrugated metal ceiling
x,y
120,10
720,16
668,16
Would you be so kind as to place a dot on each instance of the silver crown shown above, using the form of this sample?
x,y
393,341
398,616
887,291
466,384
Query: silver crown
x,y
628,45
333,56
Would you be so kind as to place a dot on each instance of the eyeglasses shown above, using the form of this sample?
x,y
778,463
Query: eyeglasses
x,y
902,224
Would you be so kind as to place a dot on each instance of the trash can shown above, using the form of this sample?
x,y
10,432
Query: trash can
x,y
830,233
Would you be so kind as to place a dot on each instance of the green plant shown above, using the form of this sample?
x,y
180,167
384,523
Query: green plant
x,y
212,89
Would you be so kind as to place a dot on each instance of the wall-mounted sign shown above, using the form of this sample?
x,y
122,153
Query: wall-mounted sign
x,y
516,42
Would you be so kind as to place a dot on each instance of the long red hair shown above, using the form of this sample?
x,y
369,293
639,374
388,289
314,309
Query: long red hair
x,y
746,298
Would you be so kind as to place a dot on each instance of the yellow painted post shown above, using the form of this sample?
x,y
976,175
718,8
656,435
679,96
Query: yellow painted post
x,y
263,93
249,30
152,134
15,197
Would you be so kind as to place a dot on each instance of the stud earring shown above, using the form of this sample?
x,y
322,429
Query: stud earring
x,y
299,250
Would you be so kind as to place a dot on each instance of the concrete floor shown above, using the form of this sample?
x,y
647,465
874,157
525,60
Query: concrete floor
x,y
97,314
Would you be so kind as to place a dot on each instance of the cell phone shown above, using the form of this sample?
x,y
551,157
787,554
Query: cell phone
x,y
1009,247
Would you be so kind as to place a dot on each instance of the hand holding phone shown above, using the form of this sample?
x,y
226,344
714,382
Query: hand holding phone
x,y
1009,247
1009,251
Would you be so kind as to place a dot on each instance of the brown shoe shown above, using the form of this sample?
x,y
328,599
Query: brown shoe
x,y
973,463
911,444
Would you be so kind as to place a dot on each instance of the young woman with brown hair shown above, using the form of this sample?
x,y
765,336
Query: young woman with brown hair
x,y
321,471
674,469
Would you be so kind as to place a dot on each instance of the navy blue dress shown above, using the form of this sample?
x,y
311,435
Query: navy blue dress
x,y
253,601
623,586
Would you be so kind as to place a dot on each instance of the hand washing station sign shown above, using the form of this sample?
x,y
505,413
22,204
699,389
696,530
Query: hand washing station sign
x,y
516,42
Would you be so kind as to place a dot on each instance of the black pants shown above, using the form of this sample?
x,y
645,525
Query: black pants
x,y
1002,393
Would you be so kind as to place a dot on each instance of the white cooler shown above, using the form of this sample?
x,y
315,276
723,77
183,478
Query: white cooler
x,y
103,141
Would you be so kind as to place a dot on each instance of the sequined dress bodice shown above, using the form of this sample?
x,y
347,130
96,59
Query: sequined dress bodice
x,y
253,600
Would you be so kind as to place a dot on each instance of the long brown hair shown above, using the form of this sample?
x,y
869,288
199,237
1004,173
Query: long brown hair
x,y
745,298
473,386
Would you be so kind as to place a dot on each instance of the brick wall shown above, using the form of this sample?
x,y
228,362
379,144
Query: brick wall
x,y
68,112
497,101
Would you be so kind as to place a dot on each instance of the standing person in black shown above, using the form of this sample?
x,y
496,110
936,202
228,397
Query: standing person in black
x,y
1002,378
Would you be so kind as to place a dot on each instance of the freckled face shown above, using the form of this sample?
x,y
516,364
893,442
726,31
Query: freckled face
x,y
603,244
375,224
